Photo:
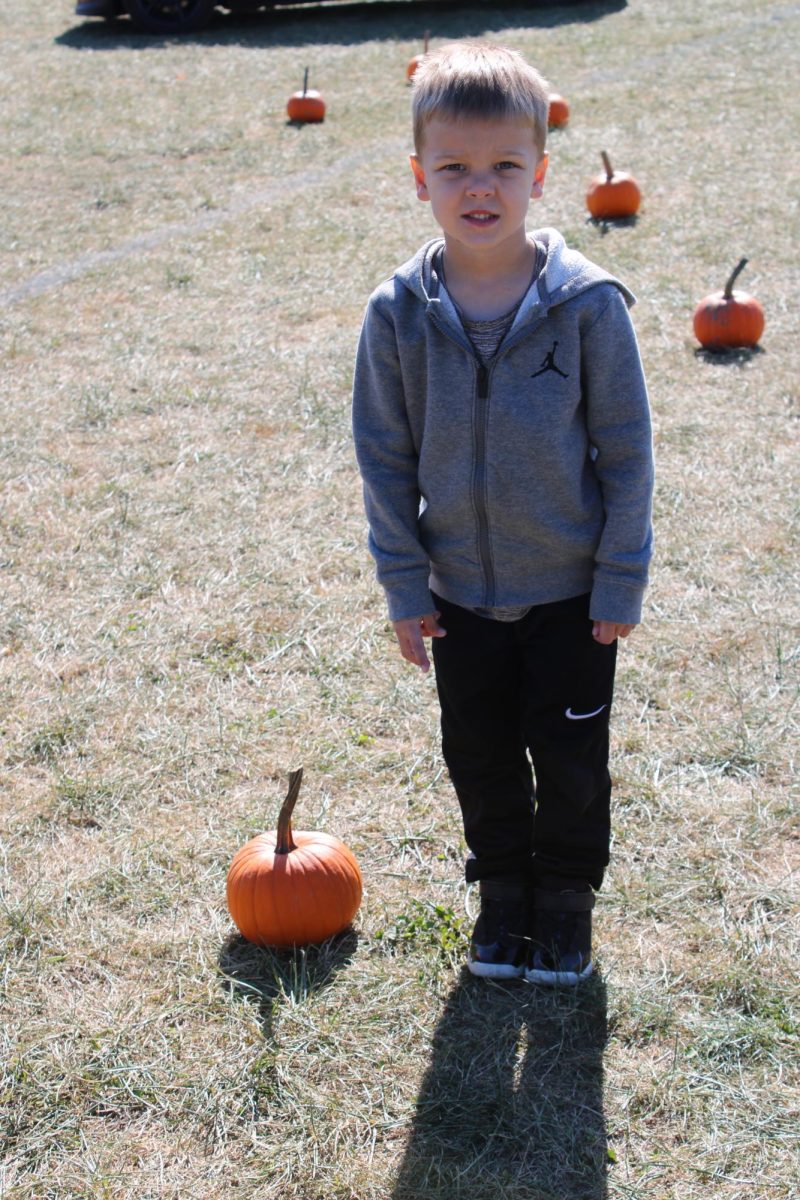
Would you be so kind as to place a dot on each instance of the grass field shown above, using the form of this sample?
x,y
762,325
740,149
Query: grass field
x,y
188,611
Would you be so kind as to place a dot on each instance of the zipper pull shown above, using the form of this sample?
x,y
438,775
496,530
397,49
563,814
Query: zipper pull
x,y
483,383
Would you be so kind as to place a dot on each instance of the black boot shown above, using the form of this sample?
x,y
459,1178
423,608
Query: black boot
x,y
561,937
499,945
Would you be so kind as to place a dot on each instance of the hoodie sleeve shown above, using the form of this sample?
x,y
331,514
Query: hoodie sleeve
x,y
618,418
388,461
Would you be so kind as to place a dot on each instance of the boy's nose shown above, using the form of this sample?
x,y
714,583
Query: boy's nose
x,y
480,185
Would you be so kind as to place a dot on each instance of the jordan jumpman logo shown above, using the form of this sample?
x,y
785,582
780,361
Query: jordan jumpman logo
x,y
549,364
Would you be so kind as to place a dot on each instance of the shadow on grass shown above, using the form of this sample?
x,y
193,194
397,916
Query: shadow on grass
x,y
511,1105
724,357
265,976
348,24
604,224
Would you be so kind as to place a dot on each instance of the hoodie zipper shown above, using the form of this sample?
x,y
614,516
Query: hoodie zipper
x,y
479,482
479,474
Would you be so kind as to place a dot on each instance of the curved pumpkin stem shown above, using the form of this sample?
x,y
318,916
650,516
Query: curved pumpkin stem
x,y
737,270
305,82
285,842
607,165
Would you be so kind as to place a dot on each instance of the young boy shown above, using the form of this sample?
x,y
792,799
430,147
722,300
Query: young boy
x,y
502,431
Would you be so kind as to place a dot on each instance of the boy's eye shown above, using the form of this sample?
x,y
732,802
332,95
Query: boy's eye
x,y
458,167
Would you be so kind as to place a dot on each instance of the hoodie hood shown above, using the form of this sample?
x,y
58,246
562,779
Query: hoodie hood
x,y
565,274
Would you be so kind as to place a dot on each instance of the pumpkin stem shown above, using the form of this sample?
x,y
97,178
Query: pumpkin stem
x,y
285,841
426,39
607,165
737,270
305,82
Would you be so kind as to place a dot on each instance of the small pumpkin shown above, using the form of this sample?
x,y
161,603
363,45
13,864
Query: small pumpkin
x,y
414,62
557,112
729,319
306,107
613,195
291,889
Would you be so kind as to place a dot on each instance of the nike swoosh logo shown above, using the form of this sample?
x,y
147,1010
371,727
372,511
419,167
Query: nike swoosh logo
x,y
571,716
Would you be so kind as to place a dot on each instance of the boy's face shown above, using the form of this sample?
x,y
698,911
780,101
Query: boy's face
x,y
479,176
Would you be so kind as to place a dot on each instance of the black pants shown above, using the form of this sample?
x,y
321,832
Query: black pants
x,y
534,691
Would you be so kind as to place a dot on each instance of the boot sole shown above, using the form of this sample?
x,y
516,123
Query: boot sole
x,y
558,978
494,970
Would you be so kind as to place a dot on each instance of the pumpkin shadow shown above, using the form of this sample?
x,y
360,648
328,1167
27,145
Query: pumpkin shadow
x,y
511,1104
725,356
604,224
267,976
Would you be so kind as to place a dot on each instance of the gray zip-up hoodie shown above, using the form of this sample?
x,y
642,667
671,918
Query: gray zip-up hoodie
x,y
522,482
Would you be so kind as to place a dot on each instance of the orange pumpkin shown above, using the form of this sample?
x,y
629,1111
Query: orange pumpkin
x,y
306,107
729,319
290,889
613,195
558,111
417,59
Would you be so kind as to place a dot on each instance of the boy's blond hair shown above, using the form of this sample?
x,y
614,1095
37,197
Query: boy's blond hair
x,y
478,79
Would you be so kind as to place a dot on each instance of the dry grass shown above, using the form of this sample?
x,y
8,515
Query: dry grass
x,y
188,611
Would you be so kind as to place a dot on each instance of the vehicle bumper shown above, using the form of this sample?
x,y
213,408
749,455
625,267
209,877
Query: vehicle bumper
x,y
95,8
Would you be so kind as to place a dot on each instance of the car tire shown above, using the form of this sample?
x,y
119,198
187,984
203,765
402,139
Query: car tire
x,y
169,16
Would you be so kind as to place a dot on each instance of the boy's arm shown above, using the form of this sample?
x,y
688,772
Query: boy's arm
x,y
388,461
618,418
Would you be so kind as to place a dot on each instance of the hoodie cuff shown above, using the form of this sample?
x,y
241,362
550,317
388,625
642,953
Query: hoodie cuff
x,y
616,602
412,600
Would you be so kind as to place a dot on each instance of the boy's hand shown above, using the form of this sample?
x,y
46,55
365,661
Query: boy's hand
x,y
411,631
606,632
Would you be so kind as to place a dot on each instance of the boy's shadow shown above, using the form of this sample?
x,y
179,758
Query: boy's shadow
x,y
263,976
511,1106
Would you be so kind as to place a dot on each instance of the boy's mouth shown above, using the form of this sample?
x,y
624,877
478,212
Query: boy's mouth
x,y
480,216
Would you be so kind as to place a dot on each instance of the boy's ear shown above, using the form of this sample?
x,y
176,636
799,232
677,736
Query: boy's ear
x,y
419,177
538,178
